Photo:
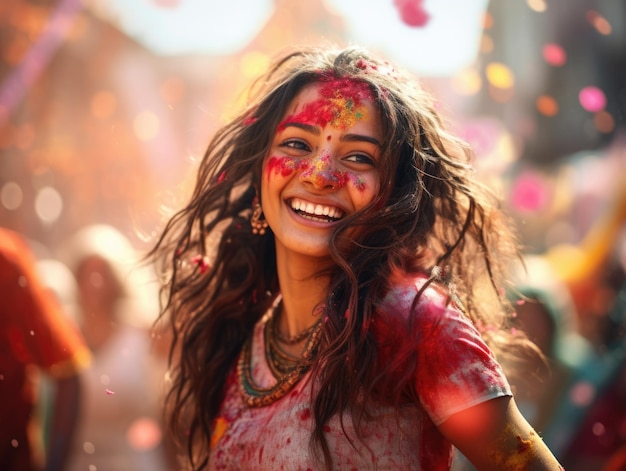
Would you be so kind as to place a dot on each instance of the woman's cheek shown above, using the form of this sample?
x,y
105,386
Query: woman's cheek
x,y
282,165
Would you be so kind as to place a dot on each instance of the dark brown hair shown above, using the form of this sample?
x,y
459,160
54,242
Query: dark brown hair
x,y
220,278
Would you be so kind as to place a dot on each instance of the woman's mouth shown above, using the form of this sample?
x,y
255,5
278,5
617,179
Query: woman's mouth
x,y
316,212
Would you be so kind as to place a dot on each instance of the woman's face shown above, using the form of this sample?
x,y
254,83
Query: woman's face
x,y
322,164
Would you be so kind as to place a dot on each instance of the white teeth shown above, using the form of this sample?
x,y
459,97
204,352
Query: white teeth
x,y
316,209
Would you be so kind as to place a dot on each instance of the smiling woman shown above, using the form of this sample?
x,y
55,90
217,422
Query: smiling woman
x,y
321,166
334,285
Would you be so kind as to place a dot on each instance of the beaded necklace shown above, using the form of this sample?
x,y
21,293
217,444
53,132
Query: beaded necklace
x,y
285,367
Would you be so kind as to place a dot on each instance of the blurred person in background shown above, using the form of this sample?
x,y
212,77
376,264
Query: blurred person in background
x,y
120,421
589,427
35,336
545,312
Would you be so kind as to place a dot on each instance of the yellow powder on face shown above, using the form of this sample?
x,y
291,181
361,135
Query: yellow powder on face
x,y
345,113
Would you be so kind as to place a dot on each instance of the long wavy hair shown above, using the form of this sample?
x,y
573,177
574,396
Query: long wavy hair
x,y
430,216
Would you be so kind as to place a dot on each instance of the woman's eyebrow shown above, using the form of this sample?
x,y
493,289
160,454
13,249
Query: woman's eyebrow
x,y
360,137
306,127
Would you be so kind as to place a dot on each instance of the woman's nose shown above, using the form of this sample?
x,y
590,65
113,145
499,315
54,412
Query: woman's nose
x,y
320,171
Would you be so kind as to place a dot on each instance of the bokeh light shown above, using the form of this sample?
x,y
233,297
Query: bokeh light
x,y
11,196
554,54
144,434
592,99
537,5
530,192
582,393
547,106
48,205
89,448
499,75
599,22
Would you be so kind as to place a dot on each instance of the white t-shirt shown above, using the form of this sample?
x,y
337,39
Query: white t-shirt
x,y
452,367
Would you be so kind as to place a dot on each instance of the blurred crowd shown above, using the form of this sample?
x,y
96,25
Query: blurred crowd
x,y
78,334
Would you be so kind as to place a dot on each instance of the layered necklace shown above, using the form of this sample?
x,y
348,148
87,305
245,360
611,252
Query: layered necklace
x,y
287,368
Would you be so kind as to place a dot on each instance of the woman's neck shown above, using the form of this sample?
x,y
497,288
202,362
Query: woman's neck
x,y
302,288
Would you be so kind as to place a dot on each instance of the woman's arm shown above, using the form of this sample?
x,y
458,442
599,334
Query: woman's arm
x,y
494,436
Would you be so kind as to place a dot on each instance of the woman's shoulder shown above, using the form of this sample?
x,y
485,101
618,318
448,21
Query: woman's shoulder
x,y
414,298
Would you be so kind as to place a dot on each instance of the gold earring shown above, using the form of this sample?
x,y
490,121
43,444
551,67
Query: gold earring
x,y
258,225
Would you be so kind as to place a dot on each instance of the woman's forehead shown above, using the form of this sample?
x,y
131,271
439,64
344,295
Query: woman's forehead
x,y
339,102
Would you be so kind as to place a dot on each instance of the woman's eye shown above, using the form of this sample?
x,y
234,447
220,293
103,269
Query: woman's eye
x,y
361,159
295,144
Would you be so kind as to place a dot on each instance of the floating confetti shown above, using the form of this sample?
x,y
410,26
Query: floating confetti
x,y
412,12
108,392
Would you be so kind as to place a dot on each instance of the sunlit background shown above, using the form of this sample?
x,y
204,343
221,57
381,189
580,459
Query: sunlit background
x,y
105,104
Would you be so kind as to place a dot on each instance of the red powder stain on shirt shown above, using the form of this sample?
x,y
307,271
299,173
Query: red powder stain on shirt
x,y
306,414
261,454
326,428
412,12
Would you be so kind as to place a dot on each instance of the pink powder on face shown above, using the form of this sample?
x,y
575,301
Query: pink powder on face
x,y
357,181
340,104
322,173
317,171
283,166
